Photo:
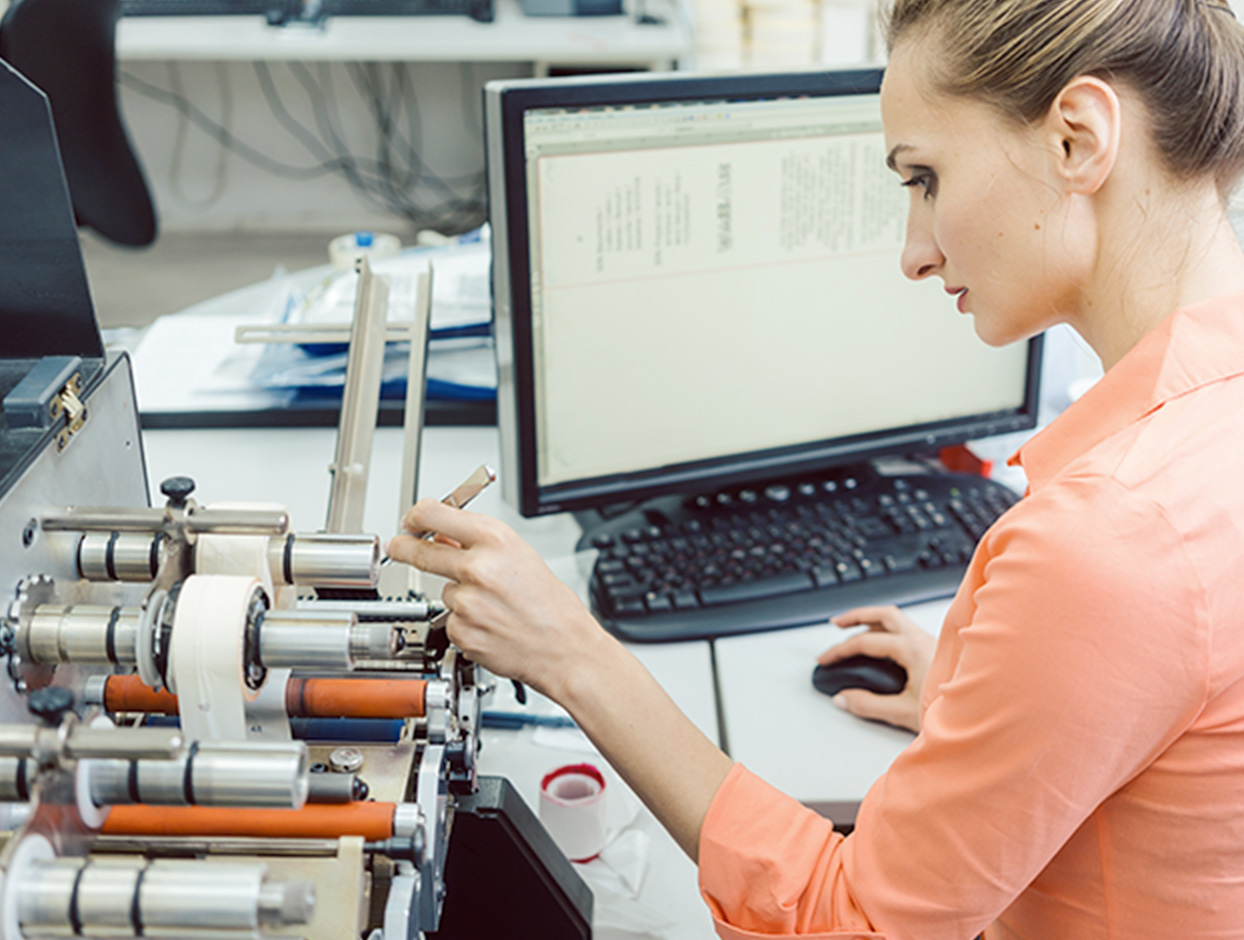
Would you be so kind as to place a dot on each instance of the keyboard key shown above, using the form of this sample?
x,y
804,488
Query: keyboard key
x,y
824,576
685,600
752,590
658,603
897,563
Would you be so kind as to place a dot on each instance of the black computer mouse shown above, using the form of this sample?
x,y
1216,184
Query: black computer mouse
x,y
883,676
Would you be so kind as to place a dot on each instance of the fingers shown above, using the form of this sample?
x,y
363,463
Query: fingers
x,y
885,645
899,710
886,617
432,556
430,515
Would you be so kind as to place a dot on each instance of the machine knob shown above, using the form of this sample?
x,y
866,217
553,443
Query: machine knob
x,y
50,704
178,490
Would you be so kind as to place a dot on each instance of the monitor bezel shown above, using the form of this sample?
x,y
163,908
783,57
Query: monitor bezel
x,y
506,102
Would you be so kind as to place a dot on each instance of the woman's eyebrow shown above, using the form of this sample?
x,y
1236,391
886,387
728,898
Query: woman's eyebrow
x,y
890,157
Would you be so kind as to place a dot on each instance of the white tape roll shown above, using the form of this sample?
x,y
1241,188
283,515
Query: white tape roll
x,y
206,657
572,808
237,554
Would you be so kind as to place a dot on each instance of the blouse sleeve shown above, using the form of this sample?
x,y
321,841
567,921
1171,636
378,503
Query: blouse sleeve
x,y
1079,655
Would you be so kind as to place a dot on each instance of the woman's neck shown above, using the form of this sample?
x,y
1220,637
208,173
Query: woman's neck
x,y
1156,255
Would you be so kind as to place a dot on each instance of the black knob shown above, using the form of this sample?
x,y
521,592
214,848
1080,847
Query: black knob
x,y
50,703
359,790
178,490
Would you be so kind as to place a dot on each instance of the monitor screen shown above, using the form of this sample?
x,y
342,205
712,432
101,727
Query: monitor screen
x,y
697,285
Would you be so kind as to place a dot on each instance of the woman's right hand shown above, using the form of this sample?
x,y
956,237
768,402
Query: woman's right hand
x,y
891,635
507,610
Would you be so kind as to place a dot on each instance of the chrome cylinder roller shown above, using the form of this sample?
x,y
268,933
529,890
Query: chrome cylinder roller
x,y
82,633
17,777
117,556
304,639
326,560
268,775
78,742
60,897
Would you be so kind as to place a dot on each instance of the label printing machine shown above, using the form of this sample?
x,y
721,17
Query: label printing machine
x,y
211,727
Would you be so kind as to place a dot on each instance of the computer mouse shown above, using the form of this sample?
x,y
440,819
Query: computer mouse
x,y
883,676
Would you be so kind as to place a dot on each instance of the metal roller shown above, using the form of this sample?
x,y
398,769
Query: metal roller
x,y
17,777
81,634
117,556
329,641
326,560
236,774
61,897
77,742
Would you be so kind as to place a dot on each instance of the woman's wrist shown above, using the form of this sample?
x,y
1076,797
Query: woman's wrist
x,y
587,670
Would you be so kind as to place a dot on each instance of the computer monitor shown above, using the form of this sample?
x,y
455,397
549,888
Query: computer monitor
x,y
697,285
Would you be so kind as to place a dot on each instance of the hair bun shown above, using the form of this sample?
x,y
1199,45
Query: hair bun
x,y
1223,5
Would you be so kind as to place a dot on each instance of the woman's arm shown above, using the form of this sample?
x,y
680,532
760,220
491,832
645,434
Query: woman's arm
x,y
511,615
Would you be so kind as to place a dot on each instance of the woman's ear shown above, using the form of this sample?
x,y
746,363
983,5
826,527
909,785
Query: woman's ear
x,y
1084,125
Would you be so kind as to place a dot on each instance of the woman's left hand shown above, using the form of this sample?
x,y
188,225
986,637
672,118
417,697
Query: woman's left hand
x,y
891,635
508,611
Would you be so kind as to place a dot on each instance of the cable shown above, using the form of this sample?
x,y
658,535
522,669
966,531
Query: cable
x,y
222,134
179,141
388,183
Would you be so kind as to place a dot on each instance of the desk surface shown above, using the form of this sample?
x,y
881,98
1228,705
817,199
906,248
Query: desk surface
x,y
511,37
794,736
774,721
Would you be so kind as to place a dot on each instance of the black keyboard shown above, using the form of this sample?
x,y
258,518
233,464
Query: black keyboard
x,y
788,554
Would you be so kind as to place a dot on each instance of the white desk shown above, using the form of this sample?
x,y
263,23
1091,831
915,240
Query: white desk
x,y
511,37
794,736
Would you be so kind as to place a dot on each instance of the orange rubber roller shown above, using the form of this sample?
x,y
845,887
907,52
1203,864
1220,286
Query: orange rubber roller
x,y
304,698
355,698
373,821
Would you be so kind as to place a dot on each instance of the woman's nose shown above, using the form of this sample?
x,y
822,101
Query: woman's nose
x,y
921,255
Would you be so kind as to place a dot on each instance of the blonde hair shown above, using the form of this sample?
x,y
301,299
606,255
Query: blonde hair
x,y
1185,58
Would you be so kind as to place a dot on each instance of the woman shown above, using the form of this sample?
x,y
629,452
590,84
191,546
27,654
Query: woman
x,y
1080,755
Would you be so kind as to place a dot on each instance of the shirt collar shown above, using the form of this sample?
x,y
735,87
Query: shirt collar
x,y
1192,347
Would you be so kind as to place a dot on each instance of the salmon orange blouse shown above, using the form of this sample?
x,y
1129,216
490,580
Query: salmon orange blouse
x,y
1080,769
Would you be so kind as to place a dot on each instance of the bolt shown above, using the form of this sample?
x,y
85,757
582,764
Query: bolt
x,y
178,490
50,704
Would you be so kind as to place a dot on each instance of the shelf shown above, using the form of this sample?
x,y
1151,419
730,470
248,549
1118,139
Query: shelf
x,y
512,37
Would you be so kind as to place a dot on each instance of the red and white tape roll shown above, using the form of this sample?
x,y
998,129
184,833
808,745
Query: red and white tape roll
x,y
572,808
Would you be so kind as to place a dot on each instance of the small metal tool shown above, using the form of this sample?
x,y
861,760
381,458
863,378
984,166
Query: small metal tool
x,y
466,491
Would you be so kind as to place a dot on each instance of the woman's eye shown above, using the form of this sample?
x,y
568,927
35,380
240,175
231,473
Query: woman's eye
x,y
924,181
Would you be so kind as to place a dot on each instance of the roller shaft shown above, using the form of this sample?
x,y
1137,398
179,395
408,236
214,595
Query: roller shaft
x,y
81,634
209,774
62,897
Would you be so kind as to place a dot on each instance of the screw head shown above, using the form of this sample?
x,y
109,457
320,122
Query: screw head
x,y
178,490
50,704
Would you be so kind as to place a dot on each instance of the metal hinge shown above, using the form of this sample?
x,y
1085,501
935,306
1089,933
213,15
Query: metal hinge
x,y
67,402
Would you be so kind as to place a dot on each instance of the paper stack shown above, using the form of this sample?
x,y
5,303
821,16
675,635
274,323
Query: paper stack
x,y
783,33
720,34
